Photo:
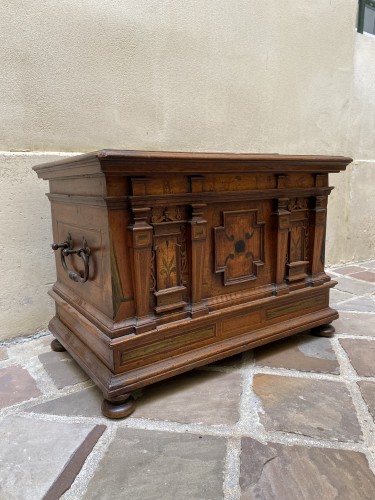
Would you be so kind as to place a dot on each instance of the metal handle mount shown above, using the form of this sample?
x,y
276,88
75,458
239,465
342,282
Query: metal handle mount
x,y
83,252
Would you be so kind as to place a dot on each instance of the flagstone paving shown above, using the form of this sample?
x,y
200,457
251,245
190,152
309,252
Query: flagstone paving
x,y
300,352
351,323
34,452
276,471
361,354
3,353
145,464
368,392
83,403
314,408
292,419
202,397
16,386
62,369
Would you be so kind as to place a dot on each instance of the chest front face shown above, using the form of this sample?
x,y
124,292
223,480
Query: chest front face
x,y
187,261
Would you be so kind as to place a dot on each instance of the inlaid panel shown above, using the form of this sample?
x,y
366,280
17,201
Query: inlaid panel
x,y
159,349
239,246
167,256
168,262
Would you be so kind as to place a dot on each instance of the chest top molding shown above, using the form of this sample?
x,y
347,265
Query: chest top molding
x,y
117,162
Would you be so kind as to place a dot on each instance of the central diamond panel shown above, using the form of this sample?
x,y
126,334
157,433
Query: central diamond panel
x,y
239,245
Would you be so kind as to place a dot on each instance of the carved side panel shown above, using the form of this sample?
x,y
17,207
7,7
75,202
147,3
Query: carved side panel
x,y
239,246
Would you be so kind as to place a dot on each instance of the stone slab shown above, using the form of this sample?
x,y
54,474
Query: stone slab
x,y
370,264
66,478
62,368
85,403
361,354
3,353
33,453
152,465
348,269
352,323
198,396
368,393
361,304
337,296
299,352
276,472
16,386
365,275
230,362
319,409
354,286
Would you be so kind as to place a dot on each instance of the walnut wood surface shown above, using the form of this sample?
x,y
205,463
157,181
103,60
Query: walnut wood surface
x,y
194,257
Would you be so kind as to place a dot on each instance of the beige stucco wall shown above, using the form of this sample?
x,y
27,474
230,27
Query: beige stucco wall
x,y
351,219
287,77
181,75
26,263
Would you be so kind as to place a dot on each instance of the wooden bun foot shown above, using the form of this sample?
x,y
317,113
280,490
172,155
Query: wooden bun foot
x,y
323,331
57,346
119,407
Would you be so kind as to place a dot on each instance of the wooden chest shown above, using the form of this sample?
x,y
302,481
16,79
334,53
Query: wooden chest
x,y
169,261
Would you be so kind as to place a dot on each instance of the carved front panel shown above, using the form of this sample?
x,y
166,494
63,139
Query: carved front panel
x,y
167,257
169,261
239,246
296,243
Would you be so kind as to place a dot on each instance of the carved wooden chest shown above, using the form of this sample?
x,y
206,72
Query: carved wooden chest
x,y
169,261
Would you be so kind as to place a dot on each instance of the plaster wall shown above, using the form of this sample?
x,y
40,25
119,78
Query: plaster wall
x,y
192,75
351,214
287,77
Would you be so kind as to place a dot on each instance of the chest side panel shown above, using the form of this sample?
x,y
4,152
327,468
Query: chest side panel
x,y
79,222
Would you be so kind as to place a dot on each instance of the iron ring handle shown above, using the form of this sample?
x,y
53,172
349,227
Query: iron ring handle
x,y
73,275
83,252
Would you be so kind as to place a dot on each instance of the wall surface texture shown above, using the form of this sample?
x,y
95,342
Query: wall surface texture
x,y
288,77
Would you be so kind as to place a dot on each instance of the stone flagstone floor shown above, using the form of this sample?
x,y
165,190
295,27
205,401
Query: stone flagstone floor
x,y
290,420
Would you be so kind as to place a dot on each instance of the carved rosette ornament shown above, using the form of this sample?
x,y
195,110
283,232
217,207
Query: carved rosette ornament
x,y
167,214
298,204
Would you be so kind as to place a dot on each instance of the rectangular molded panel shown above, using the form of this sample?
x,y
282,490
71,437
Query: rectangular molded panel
x,y
295,308
90,223
239,324
163,349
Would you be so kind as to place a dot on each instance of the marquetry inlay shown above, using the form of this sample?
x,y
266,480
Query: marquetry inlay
x,y
239,246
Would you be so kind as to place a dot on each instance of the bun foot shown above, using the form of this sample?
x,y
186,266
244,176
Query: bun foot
x,y
57,346
119,407
323,331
